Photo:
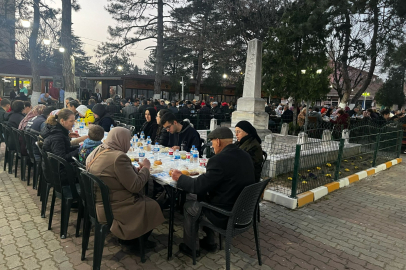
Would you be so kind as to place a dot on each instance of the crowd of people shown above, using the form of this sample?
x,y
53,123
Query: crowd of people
x,y
220,185
332,114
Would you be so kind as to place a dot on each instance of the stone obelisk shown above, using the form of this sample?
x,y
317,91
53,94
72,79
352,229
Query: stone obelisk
x,y
251,107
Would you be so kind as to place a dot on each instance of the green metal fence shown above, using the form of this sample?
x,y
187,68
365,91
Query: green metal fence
x,y
321,161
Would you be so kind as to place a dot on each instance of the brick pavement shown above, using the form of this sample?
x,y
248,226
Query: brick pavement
x,y
359,227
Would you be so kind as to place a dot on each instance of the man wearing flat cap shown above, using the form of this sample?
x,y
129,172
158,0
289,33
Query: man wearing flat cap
x,y
227,173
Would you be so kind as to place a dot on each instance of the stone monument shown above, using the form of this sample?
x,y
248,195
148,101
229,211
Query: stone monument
x,y
251,107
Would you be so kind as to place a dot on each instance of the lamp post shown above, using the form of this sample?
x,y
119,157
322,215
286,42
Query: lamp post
x,y
183,88
365,94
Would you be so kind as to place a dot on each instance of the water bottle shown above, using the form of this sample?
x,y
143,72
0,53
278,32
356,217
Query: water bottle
x,y
156,151
142,136
141,154
194,157
81,127
111,127
135,138
177,156
149,140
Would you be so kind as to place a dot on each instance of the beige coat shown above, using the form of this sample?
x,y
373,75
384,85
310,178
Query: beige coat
x,y
134,214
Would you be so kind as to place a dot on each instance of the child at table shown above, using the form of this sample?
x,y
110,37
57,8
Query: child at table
x,y
96,134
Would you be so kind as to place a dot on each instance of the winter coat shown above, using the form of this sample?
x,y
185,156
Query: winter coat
x,y
150,129
227,173
188,136
134,214
86,148
250,145
56,141
105,122
162,136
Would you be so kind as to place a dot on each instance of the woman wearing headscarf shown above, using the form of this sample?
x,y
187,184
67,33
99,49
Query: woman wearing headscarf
x,y
134,214
249,141
150,126
102,117
37,110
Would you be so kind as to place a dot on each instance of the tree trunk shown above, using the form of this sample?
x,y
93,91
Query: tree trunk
x,y
159,51
199,72
344,60
36,80
68,68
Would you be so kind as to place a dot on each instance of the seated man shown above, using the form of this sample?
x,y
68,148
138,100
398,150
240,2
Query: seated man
x,y
45,98
227,173
181,133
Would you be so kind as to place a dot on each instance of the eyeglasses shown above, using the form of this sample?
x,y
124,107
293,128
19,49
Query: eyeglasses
x,y
168,127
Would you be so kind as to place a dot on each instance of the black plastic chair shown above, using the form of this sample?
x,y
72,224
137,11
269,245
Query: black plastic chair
x,y
10,148
30,140
78,167
25,157
240,219
91,185
46,182
19,154
67,192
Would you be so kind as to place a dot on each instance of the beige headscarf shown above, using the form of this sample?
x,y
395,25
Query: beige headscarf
x,y
118,139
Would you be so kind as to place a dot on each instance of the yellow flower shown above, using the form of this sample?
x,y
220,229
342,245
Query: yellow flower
x,y
345,160
289,178
339,172
347,170
318,168
328,175
355,167
328,164
360,157
304,182
370,162
308,170
352,163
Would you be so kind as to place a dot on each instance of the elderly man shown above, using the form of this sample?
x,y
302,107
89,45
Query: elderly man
x,y
227,173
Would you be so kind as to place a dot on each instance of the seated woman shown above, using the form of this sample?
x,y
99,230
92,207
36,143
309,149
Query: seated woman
x,y
162,135
342,119
249,141
56,138
134,214
16,115
150,126
301,118
102,117
86,113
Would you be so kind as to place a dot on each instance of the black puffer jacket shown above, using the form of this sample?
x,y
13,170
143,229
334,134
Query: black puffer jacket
x,y
56,141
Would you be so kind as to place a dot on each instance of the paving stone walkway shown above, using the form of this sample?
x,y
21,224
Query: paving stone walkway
x,y
359,227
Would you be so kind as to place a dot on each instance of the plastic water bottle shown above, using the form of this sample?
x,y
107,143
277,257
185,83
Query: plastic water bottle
x,y
149,140
81,127
142,136
156,151
135,138
141,154
177,156
194,157
111,127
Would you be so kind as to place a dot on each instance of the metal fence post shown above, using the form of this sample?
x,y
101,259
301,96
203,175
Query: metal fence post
x,y
399,143
378,139
296,171
340,155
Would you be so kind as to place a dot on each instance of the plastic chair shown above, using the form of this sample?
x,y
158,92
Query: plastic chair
x,y
10,150
78,167
91,185
19,154
240,219
25,158
30,139
46,180
67,192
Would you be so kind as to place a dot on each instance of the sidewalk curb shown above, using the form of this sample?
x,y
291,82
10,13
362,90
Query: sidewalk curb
x,y
317,193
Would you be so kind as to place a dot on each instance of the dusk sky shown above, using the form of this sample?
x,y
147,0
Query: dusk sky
x,y
90,24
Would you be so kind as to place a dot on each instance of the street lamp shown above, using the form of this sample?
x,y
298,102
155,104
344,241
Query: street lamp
x,y
183,88
319,71
62,49
303,71
365,94
120,68
225,76
25,23
46,41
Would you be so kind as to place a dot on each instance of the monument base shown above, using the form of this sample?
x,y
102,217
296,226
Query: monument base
x,y
258,119
251,104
